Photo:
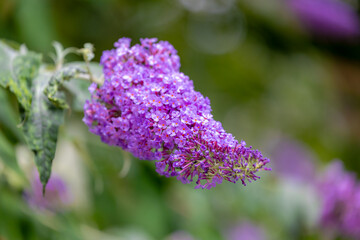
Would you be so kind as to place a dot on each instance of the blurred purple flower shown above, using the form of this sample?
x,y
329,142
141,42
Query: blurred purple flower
x,y
56,196
149,108
327,18
180,235
340,195
291,159
246,231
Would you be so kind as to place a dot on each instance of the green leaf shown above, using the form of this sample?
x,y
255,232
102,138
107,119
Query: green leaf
x,y
7,56
10,43
17,70
52,90
41,127
79,88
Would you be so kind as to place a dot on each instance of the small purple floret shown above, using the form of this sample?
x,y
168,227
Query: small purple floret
x,y
149,108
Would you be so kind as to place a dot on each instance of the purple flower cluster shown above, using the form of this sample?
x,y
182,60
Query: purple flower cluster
x,y
246,231
56,197
149,108
327,18
341,202
292,160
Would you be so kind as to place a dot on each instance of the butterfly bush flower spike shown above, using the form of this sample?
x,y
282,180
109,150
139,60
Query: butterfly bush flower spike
x,y
148,107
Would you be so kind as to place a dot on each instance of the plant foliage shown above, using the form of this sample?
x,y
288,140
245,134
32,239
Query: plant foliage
x,y
41,90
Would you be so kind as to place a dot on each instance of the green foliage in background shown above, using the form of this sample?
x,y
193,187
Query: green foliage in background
x,y
270,81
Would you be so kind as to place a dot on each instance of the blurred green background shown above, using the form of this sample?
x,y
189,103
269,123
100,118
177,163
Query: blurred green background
x,y
269,80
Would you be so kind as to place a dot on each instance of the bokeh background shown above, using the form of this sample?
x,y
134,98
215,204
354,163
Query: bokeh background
x,y
283,75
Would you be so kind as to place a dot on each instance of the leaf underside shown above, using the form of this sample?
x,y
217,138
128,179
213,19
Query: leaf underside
x,y
17,71
41,98
52,90
41,127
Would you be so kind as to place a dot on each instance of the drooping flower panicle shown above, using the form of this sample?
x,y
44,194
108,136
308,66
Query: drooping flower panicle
x,y
149,108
